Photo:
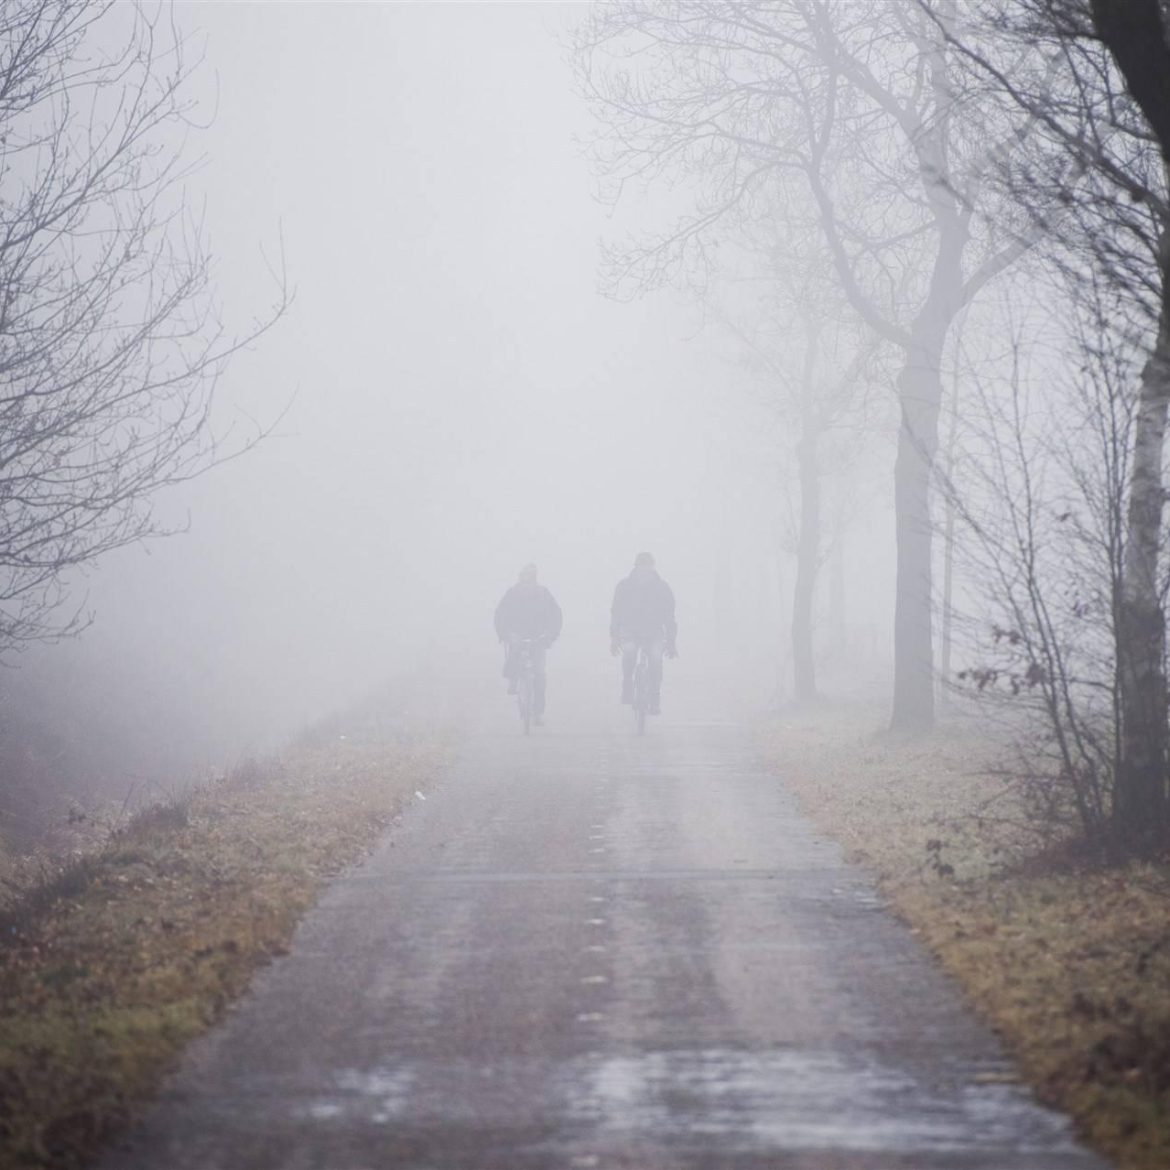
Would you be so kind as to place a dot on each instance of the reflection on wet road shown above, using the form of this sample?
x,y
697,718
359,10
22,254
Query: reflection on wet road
x,y
602,951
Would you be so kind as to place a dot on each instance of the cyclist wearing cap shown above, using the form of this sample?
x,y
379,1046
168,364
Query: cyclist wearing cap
x,y
528,611
642,615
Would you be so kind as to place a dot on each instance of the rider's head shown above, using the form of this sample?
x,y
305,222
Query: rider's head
x,y
528,575
643,562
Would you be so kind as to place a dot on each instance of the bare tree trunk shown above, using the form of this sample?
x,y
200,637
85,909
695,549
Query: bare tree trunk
x,y
947,604
913,708
781,659
808,544
948,588
1141,809
838,618
1135,32
920,391
807,565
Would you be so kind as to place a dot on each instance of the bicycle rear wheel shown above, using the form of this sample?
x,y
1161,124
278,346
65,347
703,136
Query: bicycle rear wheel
x,y
524,701
641,699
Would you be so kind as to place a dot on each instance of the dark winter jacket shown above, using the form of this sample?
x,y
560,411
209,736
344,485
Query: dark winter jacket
x,y
528,611
643,609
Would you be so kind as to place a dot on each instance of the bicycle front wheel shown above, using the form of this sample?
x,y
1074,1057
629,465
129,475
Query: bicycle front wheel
x,y
524,701
640,697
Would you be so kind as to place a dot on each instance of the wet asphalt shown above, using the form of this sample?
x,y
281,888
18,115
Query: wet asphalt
x,y
593,950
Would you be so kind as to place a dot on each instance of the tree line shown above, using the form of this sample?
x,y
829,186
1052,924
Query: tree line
x,y
962,203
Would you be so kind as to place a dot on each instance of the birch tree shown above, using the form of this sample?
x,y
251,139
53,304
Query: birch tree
x,y
1093,77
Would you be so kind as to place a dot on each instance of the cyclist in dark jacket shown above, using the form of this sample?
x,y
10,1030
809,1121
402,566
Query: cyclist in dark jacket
x,y
528,611
642,615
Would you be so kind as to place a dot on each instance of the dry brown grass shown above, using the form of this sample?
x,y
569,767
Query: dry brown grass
x,y
109,969
1070,964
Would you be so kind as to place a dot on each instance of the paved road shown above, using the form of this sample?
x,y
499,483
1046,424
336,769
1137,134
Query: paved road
x,y
599,951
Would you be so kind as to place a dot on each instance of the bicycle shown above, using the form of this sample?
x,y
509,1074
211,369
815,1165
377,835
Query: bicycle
x,y
525,678
641,702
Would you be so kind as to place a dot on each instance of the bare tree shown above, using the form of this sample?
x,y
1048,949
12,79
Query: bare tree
x,y
815,362
110,346
1137,35
1040,459
855,107
1094,79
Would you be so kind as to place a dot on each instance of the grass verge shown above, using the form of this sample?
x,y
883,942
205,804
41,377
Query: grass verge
x,y
110,967
1069,963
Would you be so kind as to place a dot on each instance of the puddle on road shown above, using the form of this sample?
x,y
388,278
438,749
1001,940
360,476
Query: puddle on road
x,y
381,1095
719,1099
796,1100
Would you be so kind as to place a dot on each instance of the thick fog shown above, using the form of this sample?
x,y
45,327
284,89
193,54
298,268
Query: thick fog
x,y
448,397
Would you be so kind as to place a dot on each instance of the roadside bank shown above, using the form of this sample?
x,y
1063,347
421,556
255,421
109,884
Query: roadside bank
x,y
113,963
1069,962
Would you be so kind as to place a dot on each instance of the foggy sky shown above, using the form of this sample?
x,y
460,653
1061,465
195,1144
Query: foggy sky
x,y
460,400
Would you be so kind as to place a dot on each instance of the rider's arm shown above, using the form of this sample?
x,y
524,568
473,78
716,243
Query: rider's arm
x,y
615,617
555,621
